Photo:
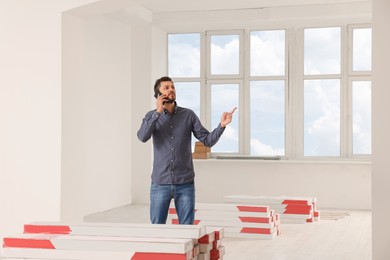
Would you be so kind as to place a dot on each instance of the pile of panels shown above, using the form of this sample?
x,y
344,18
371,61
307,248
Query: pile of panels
x,y
109,241
237,220
291,209
210,245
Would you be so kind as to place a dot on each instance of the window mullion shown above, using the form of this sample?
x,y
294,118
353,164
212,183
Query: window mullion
x,y
297,78
345,98
244,107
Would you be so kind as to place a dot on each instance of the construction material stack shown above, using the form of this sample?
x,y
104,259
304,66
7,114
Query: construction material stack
x,y
237,220
102,241
291,209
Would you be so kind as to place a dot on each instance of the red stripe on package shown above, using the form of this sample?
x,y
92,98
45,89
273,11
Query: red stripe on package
x,y
255,219
46,229
159,256
299,202
207,239
256,230
253,208
299,207
176,221
27,243
297,211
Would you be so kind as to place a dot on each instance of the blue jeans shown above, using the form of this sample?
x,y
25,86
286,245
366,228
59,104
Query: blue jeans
x,y
183,196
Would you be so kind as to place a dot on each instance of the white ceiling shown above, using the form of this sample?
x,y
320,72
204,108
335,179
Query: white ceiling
x,y
162,6
117,7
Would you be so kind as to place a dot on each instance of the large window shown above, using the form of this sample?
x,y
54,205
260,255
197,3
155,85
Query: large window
x,y
301,93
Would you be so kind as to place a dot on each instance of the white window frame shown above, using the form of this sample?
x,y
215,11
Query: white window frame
x,y
209,34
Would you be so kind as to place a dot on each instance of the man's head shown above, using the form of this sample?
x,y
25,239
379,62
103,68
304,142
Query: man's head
x,y
165,86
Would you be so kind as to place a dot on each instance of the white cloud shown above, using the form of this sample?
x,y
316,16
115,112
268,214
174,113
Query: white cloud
x,y
258,148
184,60
267,55
225,59
322,117
230,133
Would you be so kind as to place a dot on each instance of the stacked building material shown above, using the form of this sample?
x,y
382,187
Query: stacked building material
x,y
210,246
201,151
100,241
291,209
238,220
218,249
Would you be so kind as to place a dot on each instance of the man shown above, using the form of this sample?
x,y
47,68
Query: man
x,y
173,173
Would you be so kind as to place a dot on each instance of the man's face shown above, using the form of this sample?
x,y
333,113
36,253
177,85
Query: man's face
x,y
168,89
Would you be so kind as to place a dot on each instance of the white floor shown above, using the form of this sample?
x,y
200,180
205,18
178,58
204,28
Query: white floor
x,y
339,235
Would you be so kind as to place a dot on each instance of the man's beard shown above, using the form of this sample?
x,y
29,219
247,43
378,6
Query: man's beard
x,y
170,100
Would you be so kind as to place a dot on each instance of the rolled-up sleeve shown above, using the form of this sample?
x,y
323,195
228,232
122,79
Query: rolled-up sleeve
x,y
202,134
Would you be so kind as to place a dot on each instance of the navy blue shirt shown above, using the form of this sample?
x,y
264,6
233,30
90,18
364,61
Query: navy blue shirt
x,y
172,143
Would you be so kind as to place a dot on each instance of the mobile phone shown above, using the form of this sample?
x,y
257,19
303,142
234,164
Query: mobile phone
x,y
160,94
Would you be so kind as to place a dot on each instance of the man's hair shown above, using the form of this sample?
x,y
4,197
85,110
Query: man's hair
x,y
157,84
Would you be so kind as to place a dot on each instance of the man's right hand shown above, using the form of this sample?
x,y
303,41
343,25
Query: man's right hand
x,y
160,102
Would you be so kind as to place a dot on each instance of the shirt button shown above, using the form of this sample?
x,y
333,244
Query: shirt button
x,y
171,137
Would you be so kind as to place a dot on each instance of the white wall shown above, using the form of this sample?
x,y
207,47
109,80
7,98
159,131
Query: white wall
x,y
107,61
343,185
99,99
380,131
30,110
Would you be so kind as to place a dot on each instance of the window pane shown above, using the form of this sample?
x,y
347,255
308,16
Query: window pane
x,y
361,114
322,51
225,54
362,49
184,55
267,114
322,117
223,98
188,95
267,53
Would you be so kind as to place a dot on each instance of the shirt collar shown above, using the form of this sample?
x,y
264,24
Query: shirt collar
x,y
174,110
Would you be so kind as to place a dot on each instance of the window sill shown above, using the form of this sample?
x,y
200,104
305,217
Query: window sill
x,y
282,160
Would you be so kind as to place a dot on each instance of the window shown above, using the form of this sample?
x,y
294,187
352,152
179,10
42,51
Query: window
x,y
361,49
184,55
322,62
267,53
225,54
267,92
267,118
360,89
224,96
301,92
322,117
322,51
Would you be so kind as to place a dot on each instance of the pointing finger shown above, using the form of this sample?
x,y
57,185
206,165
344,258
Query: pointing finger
x,y
233,110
